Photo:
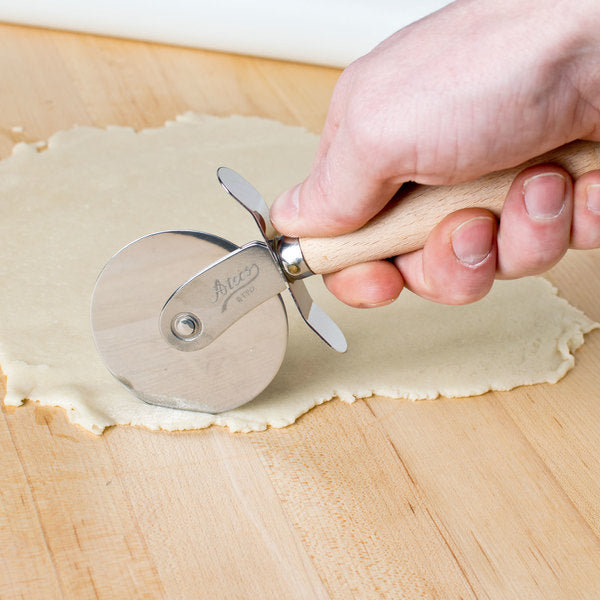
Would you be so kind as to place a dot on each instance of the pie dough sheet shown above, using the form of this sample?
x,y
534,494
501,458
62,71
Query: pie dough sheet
x,y
67,209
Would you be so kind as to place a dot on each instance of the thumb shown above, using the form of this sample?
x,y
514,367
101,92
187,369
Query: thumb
x,y
339,195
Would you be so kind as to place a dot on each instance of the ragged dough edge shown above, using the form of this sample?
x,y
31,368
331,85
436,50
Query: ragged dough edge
x,y
18,373
571,338
72,399
252,417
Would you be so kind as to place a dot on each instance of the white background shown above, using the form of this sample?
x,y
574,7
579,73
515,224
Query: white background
x,y
328,32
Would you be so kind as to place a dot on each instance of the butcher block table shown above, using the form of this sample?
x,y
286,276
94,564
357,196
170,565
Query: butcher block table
x,y
496,496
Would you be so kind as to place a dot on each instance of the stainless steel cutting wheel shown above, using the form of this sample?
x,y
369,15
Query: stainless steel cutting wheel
x,y
126,304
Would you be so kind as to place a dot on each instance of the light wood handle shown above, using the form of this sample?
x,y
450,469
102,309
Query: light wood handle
x,y
403,226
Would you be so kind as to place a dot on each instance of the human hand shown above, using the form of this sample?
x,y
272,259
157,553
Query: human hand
x,y
474,88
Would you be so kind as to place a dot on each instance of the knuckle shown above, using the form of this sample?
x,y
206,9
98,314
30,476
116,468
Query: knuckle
x,y
467,293
533,260
321,200
458,288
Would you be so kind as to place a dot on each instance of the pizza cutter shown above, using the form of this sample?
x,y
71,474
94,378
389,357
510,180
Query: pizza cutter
x,y
187,320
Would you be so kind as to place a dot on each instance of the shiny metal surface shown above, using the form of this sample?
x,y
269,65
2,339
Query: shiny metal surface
x,y
127,301
316,318
187,320
250,198
291,258
246,194
201,309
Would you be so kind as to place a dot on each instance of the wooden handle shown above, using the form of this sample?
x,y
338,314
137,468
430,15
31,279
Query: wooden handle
x,y
403,226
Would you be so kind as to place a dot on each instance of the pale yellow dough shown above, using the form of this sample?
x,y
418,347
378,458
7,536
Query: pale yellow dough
x,y
67,209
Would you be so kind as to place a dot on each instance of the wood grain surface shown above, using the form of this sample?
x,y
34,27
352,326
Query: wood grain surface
x,y
491,497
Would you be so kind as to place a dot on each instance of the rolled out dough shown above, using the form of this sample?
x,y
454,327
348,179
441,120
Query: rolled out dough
x,y
68,208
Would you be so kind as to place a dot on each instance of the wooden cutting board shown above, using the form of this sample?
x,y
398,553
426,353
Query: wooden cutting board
x,y
490,497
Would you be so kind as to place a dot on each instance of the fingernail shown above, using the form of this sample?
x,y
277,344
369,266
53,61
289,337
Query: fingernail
x,y
544,196
593,198
472,240
284,211
376,304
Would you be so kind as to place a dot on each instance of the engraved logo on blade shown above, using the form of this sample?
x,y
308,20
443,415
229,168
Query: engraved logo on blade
x,y
226,289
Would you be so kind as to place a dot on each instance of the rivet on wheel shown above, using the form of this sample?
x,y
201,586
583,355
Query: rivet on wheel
x,y
186,326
